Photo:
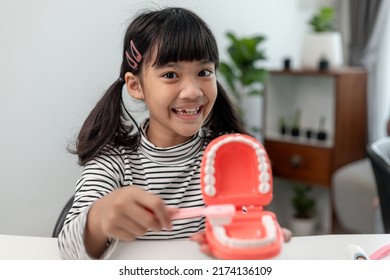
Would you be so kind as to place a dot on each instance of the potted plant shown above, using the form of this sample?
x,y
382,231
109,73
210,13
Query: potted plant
x,y
303,221
282,125
296,123
322,135
243,75
323,44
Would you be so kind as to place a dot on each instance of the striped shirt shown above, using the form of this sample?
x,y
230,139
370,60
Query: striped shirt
x,y
171,173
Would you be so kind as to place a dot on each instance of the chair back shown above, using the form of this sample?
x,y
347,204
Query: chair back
x,y
61,219
379,155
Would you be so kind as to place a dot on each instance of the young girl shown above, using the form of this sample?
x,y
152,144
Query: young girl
x,y
134,176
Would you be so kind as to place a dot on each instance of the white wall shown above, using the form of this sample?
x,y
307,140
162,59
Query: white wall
x,y
56,59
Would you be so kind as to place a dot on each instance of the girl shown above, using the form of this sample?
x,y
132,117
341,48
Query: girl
x,y
134,177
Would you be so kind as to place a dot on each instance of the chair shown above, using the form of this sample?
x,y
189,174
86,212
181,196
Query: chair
x,y
61,219
353,193
379,155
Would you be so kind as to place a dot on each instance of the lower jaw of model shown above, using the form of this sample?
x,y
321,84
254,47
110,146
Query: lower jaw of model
x,y
268,224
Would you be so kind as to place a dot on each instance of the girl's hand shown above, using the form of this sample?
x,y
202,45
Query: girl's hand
x,y
124,214
201,239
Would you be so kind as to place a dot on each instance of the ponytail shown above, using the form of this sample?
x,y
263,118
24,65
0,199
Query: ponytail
x,y
103,126
224,117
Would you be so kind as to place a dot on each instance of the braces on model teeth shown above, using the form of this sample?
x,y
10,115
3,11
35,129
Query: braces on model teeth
x,y
264,187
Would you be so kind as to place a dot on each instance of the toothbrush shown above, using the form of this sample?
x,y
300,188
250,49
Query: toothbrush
x,y
217,213
380,253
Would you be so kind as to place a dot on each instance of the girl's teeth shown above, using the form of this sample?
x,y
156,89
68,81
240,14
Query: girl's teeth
x,y
187,111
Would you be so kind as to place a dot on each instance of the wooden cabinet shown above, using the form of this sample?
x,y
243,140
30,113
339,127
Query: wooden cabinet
x,y
339,98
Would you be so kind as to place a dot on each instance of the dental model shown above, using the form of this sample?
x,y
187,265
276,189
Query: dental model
x,y
236,170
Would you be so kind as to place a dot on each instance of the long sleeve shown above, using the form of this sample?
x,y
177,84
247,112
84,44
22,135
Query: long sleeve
x,y
99,177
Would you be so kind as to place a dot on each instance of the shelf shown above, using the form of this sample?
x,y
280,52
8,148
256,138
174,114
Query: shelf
x,y
307,72
339,97
300,140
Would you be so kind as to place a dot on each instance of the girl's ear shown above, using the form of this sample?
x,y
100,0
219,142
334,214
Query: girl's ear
x,y
133,86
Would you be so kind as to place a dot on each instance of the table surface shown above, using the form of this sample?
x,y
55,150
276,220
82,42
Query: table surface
x,y
317,247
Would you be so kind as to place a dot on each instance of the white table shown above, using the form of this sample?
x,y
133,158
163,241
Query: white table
x,y
318,247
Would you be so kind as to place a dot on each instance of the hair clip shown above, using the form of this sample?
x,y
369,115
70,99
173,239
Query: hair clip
x,y
135,57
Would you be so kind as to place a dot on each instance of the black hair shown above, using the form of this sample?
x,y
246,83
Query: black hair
x,y
176,34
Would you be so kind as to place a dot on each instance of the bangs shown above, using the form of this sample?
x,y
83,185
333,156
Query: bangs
x,y
184,38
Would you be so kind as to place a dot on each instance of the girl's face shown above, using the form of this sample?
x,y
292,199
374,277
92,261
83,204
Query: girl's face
x,y
179,97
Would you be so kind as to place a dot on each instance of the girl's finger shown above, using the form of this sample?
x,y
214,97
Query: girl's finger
x,y
199,237
287,234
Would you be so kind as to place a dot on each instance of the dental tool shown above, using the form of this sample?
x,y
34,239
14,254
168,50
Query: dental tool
x,y
220,214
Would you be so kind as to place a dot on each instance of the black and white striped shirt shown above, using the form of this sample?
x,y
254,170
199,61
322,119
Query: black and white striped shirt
x,y
172,173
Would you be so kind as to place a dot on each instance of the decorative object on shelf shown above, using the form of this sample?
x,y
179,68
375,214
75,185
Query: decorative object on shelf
x,y
303,221
282,125
322,135
243,75
296,123
323,65
287,64
323,42
309,133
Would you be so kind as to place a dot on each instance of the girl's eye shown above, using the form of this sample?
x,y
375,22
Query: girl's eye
x,y
205,73
170,75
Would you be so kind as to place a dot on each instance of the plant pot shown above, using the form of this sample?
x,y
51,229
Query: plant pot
x,y
283,130
309,133
321,136
295,132
322,45
301,226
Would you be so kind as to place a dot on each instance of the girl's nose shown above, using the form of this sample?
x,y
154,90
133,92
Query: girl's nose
x,y
190,90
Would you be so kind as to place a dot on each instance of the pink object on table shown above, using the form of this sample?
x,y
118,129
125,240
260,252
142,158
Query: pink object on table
x,y
380,253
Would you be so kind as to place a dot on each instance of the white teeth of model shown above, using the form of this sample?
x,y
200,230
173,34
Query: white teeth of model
x,y
209,179
264,167
260,152
210,169
270,230
264,188
264,177
210,190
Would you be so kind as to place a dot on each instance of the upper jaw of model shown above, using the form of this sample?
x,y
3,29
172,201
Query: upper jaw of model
x,y
263,188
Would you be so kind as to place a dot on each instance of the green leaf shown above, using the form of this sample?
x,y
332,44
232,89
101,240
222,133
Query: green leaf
x,y
241,70
252,75
322,21
303,204
254,92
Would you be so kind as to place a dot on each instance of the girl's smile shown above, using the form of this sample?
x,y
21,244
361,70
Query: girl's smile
x,y
188,113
